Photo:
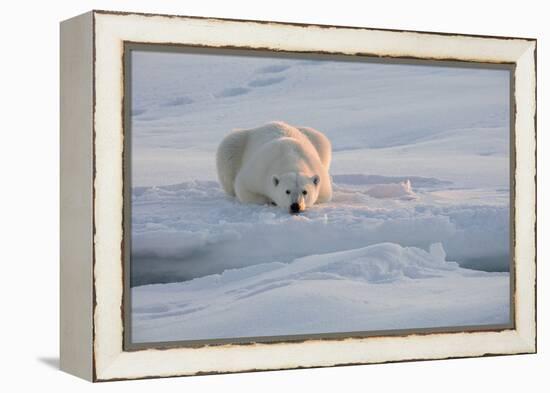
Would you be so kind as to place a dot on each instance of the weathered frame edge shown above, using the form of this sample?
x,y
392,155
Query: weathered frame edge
x,y
76,196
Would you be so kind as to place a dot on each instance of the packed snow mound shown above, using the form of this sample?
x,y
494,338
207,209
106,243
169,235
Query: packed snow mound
x,y
401,190
383,286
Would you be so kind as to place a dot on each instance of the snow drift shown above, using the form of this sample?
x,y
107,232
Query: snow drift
x,y
379,287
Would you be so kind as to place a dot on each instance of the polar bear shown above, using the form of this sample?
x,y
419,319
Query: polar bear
x,y
276,164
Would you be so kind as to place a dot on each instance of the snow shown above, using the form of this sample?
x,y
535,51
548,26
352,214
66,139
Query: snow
x,y
379,287
421,175
192,229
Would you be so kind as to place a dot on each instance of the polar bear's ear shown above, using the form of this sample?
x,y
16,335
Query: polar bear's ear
x,y
315,179
275,181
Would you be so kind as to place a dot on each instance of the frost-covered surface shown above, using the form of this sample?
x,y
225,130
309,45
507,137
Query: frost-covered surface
x,y
443,129
380,287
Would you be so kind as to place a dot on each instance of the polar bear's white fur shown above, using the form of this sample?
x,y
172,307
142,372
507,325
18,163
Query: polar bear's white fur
x,y
276,163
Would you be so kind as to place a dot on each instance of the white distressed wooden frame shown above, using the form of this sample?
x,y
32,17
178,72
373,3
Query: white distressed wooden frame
x,y
92,195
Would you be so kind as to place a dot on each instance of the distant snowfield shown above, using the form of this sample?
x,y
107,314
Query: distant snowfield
x,y
375,257
385,119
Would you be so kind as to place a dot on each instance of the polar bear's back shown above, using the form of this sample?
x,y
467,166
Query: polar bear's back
x,y
238,147
270,132
241,146
320,142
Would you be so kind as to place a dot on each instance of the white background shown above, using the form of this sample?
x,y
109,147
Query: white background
x,y
29,184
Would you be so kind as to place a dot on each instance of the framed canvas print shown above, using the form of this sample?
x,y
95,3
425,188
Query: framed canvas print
x,y
246,195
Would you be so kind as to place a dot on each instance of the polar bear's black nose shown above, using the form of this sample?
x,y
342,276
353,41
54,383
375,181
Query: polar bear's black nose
x,y
295,208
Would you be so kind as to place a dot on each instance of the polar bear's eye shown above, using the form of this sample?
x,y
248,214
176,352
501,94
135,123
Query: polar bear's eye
x,y
304,192
288,192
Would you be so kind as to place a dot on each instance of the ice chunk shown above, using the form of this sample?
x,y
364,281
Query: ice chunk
x,y
401,190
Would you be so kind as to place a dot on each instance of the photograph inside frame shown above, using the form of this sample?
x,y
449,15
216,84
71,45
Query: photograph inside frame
x,y
272,195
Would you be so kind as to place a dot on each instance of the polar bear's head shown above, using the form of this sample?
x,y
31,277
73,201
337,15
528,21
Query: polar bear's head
x,y
294,192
